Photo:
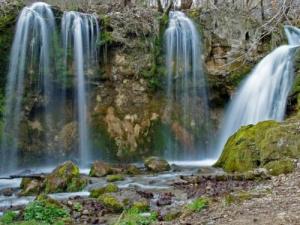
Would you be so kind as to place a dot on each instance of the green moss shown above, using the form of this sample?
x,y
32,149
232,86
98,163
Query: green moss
x,y
238,73
278,167
171,216
132,170
240,152
65,177
255,146
142,206
114,178
76,184
110,188
237,198
157,72
111,202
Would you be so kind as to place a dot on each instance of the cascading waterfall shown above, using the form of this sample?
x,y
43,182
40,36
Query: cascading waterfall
x,y
80,34
164,3
186,89
30,60
263,95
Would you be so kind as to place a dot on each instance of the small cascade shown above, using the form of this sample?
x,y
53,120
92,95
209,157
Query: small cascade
x,y
30,68
80,34
293,35
263,94
165,3
187,108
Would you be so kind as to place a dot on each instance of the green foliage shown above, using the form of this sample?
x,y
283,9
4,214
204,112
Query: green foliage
x,y
133,216
157,72
106,38
44,212
78,207
198,205
8,217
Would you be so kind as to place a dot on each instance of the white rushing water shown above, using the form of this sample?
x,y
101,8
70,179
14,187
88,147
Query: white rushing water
x,y
30,56
80,34
263,94
186,89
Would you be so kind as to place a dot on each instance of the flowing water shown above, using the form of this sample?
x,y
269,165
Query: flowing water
x,y
263,94
35,77
30,60
186,90
80,34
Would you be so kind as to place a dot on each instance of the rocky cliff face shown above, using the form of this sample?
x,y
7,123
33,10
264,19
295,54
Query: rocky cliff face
x,y
127,97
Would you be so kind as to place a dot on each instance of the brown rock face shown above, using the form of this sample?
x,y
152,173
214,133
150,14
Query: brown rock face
x,y
182,135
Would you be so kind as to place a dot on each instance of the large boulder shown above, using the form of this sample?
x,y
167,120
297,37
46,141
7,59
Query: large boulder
x,y
266,144
65,178
156,164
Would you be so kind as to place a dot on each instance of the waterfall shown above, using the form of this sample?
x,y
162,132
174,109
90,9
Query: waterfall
x,y
30,56
165,3
80,34
186,90
263,94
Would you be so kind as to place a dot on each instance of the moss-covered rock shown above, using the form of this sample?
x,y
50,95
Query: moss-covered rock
x,y
142,205
111,203
110,188
156,164
66,177
132,170
114,178
100,169
278,167
258,145
31,186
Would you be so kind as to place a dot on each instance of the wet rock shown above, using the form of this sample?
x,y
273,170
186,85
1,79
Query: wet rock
x,y
142,205
133,170
164,199
156,164
65,177
7,192
100,169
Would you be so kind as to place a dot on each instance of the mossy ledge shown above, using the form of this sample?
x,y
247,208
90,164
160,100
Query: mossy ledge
x,y
265,144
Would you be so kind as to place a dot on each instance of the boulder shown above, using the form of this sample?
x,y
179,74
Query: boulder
x,y
111,203
100,169
65,178
267,144
156,164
